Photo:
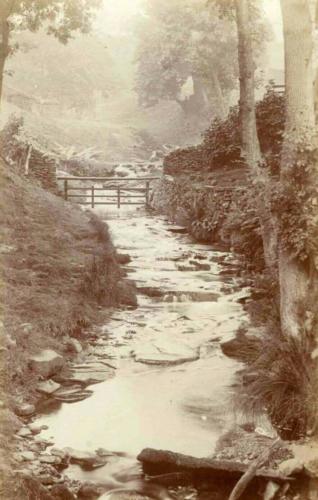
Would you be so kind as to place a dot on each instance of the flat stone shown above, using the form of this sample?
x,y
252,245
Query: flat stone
x,y
72,394
50,459
27,455
24,432
47,387
165,353
47,363
86,374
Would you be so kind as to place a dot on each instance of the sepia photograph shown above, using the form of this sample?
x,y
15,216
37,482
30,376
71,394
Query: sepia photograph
x,y
159,249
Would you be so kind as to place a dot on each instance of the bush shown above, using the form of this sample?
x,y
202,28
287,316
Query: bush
x,y
221,146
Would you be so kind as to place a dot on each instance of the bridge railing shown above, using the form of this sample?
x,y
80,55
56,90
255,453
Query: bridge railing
x,y
98,195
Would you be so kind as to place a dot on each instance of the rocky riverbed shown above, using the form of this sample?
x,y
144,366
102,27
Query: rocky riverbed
x,y
152,376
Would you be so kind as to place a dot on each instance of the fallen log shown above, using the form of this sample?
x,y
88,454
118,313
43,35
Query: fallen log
x,y
158,462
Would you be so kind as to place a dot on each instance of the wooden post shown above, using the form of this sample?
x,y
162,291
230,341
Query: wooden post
x,y
118,197
147,194
65,189
93,200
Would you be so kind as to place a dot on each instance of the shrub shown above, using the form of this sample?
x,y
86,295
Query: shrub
x,y
221,146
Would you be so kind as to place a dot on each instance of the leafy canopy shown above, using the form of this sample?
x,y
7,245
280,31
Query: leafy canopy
x,y
179,39
59,18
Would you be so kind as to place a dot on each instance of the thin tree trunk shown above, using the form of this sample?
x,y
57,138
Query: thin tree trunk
x,y
249,138
294,275
5,11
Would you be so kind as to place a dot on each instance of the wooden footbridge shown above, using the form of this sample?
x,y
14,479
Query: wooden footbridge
x,y
116,191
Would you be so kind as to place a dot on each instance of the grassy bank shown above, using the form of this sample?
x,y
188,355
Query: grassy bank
x,y
59,273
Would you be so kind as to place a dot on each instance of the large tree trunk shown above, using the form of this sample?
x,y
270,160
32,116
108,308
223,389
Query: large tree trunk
x,y
296,279
249,138
5,11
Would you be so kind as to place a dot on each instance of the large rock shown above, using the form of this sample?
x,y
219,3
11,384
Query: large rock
x,y
165,352
47,363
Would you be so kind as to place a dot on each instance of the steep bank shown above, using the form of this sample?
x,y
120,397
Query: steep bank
x,y
60,272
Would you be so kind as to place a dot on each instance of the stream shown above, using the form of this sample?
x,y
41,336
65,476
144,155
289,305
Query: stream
x,y
172,387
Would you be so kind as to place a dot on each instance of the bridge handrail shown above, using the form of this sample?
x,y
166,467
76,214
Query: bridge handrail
x,y
122,179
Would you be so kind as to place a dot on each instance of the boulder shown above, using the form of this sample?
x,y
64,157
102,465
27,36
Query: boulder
x,y
46,363
47,387
24,409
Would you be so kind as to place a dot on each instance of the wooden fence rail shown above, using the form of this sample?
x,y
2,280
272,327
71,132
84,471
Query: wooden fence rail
x,y
92,195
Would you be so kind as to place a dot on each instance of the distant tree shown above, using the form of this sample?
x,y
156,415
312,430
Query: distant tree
x,y
60,18
186,54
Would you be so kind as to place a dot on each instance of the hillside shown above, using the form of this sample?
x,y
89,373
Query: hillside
x,y
60,273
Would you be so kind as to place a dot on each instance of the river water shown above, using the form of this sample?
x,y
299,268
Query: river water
x,y
156,398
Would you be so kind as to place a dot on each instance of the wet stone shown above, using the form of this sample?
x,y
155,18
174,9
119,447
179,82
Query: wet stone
x,y
25,410
47,387
24,432
86,459
46,363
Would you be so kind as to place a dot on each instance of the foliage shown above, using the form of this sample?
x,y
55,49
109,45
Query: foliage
x,y
183,42
270,120
242,227
59,17
280,381
221,142
221,147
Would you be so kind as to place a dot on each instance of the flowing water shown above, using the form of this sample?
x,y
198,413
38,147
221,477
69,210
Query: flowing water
x,y
172,387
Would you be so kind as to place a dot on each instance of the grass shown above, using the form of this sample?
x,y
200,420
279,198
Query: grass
x,y
59,273
281,381
52,255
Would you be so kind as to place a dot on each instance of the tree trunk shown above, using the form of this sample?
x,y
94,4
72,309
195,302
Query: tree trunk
x,y
5,12
295,276
249,138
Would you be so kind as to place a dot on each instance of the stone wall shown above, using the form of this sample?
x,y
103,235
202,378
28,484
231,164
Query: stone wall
x,y
42,167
